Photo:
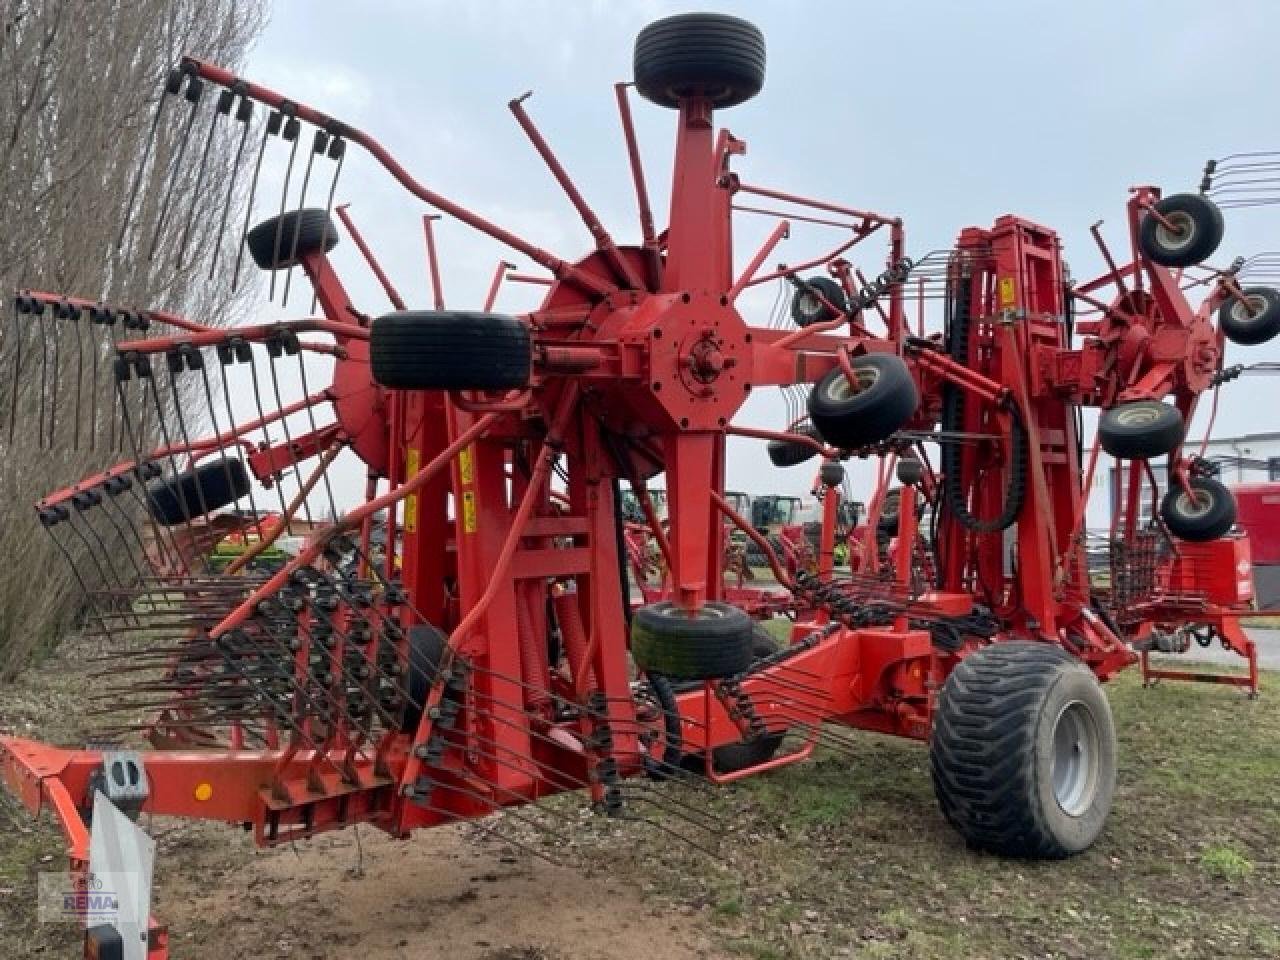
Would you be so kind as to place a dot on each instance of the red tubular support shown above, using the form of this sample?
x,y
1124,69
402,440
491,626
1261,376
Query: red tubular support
x,y
604,242
785,271
652,248
433,262
736,519
498,274
369,258
865,215
782,230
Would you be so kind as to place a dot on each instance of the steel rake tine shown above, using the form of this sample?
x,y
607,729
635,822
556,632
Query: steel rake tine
x,y
497,808
668,831
172,85
194,94
221,109
19,308
490,829
244,117
292,127
318,144
275,119
337,152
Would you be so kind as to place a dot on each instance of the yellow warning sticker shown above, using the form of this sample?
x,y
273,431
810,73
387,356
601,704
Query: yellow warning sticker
x,y
411,461
468,511
467,467
1008,292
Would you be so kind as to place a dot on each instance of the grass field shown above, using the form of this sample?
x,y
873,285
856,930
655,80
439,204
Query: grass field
x,y
844,856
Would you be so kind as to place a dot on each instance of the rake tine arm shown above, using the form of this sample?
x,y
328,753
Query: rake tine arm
x,y
392,294
649,236
604,242
563,270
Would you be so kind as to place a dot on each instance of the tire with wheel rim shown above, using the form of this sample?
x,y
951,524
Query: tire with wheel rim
x,y
888,522
1252,321
885,399
1023,752
709,55
910,471
791,453
713,643
197,492
1140,430
300,233
450,350
1208,516
1188,230
426,647
808,309
751,753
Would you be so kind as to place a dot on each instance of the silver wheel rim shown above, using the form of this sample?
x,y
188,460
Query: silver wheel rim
x,y
1249,311
1138,414
1182,233
1196,506
809,305
838,390
1076,752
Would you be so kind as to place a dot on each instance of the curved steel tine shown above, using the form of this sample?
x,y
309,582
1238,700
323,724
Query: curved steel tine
x,y
172,85
318,144
244,116
292,127
194,94
275,119
221,109
337,152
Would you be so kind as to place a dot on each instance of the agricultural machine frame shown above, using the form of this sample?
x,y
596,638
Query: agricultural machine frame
x,y
501,661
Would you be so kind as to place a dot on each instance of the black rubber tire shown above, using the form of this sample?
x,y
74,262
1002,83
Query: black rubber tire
x,y
887,400
887,524
450,350
1249,331
664,697
1211,515
910,471
789,453
831,473
751,753
709,55
426,647
714,644
198,492
316,233
807,310
993,745
1198,216
1140,430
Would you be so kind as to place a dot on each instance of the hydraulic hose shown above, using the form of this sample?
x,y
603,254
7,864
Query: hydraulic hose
x,y
954,492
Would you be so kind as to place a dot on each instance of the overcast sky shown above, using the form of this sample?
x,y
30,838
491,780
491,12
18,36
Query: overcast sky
x,y
946,114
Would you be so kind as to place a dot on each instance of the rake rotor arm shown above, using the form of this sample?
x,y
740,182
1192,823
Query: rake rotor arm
x,y
253,91
261,333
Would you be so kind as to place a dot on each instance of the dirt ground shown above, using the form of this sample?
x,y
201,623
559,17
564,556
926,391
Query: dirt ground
x,y
842,857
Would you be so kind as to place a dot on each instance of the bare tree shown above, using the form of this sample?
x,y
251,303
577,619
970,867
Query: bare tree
x,y
79,87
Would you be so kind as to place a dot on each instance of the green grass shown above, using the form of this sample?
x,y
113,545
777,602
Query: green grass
x,y
848,856
1225,863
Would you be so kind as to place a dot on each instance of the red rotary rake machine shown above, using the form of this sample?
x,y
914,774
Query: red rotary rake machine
x,y
493,656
